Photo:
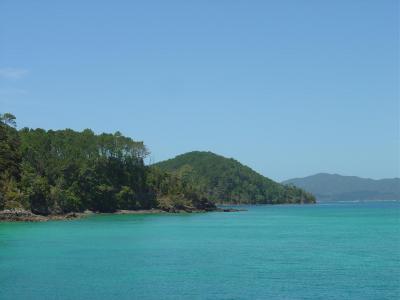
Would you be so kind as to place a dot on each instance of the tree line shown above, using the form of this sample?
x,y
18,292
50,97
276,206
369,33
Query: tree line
x,y
61,171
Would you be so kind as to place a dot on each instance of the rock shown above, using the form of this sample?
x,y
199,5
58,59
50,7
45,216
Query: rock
x,y
10,215
21,215
231,209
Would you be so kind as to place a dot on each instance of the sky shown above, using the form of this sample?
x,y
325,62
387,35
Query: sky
x,y
290,88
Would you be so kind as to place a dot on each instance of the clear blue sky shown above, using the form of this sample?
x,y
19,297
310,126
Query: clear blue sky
x,y
290,88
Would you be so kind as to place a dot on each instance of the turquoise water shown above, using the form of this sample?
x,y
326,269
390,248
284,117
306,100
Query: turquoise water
x,y
324,251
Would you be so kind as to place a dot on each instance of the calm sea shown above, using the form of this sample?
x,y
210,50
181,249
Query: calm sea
x,y
323,251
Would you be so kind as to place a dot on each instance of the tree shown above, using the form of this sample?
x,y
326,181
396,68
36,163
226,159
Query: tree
x,y
38,194
10,155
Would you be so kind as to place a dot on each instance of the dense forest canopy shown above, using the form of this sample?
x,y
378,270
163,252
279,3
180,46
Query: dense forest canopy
x,y
61,171
224,180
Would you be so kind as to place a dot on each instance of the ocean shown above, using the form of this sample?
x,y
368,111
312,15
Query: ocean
x,y
348,250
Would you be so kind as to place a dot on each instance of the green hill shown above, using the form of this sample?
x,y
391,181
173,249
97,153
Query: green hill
x,y
50,172
224,180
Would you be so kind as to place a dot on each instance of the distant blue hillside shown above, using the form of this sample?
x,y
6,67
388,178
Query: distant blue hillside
x,y
334,187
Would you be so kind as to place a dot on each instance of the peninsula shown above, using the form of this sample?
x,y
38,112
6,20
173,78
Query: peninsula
x,y
53,174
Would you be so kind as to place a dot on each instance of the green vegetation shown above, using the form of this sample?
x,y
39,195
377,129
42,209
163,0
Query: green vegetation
x,y
224,180
57,172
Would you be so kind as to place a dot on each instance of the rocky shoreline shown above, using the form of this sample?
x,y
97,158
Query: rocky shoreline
x,y
20,215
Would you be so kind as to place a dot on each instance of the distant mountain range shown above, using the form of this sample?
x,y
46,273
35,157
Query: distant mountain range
x,y
334,187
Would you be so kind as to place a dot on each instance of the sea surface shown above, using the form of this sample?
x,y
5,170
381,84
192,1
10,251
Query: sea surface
x,y
323,251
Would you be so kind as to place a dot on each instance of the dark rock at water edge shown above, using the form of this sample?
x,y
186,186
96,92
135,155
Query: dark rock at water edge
x,y
11,215
21,215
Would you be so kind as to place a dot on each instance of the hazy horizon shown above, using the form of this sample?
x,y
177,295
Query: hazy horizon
x,y
290,89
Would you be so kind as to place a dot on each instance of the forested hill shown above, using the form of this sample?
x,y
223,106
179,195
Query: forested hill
x,y
225,180
56,172
334,187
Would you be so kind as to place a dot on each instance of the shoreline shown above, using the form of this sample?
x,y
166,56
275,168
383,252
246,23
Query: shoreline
x,y
20,215
27,216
